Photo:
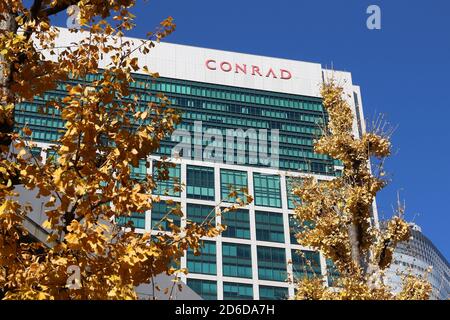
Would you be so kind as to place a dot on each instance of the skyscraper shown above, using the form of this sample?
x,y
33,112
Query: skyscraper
x,y
248,121
420,257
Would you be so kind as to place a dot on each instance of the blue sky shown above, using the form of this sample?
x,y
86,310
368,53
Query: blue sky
x,y
403,70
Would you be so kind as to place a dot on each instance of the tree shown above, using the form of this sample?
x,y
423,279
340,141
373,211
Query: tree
x,y
88,184
336,216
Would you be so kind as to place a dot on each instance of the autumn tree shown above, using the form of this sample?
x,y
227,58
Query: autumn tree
x,y
336,218
88,184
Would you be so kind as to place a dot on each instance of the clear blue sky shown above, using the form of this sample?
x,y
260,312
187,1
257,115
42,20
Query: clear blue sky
x,y
403,70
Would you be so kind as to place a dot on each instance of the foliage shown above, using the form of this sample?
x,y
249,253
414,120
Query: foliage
x,y
340,213
89,184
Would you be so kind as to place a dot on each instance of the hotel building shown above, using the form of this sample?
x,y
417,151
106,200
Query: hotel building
x,y
274,101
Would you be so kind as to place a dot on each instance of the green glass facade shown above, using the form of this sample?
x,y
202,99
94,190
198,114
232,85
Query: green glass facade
x,y
238,224
332,273
204,288
272,293
170,186
267,190
219,107
200,213
237,291
271,264
306,264
137,220
204,263
232,180
269,226
200,183
161,215
293,200
236,260
139,172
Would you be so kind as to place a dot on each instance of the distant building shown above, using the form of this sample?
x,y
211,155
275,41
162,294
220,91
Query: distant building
x,y
416,256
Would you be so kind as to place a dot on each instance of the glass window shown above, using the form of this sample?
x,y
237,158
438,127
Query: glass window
x,y
267,190
293,200
200,182
237,291
295,227
332,273
139,172
199,213
136,220
306,264
271,264
256,109
269,226
168,180
205,262
237,260
162,213
234,179
204,288
238,224
273,293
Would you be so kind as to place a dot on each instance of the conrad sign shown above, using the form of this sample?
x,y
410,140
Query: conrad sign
x,y
252,70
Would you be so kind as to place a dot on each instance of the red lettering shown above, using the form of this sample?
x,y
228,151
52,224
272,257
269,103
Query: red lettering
x,y
271,72
208,64
285,74
242,68
229,67
255,69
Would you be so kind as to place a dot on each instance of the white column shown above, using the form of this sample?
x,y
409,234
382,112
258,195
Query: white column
x,y
217,196
183,207
254,252
284,205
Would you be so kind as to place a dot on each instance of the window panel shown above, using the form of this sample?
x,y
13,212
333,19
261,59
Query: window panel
x,y
271,264
237,291
200,182
139,172
170,186
205,262
306,264
162,212
332,273
269,226
199,213
136,219
232,180
293,200
295,227
205,288
238,224
237,260
267,190
272,293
